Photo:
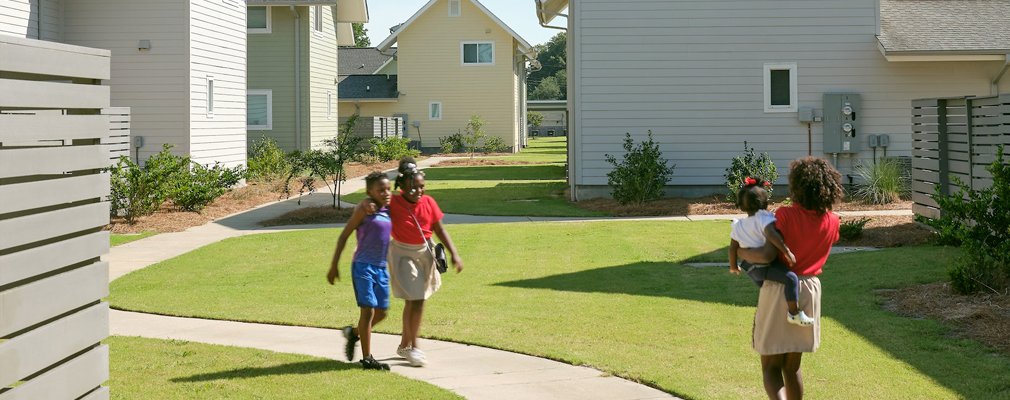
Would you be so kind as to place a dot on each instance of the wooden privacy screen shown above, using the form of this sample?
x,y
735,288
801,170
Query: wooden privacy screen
x,y
54,140
955,137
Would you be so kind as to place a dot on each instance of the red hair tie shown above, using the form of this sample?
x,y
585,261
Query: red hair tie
x,y
750,181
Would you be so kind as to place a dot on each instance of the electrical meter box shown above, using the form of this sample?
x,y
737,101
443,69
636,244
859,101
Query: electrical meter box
x,y
841,122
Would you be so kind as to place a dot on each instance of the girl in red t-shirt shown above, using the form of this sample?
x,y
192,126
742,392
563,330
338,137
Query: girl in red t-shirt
x,y
412,273
809,228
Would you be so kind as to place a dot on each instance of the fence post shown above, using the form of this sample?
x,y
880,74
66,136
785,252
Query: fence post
x,y
944,158
971,148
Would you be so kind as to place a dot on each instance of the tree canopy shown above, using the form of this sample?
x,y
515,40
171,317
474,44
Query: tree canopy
x,y
553,57
361,36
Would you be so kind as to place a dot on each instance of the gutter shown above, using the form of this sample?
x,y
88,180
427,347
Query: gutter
x,y
298,81
541,11
1002,71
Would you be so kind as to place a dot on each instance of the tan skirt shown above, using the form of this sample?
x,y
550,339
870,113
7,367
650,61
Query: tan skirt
x,y
772,333
412,273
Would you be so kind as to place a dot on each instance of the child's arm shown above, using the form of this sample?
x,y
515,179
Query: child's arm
x,y
733,247
356,218
775,238
368,205
443,236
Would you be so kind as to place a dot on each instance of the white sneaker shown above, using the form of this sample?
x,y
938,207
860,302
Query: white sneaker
x,y
416,358
403,352
800,319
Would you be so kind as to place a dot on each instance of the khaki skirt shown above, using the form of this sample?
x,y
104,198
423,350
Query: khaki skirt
x,y
772,333
412,273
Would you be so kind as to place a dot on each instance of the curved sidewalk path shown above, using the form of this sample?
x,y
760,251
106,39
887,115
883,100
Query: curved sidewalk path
x,y
471,371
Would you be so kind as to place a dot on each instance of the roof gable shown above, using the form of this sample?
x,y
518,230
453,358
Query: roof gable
x,y
368,87
360,60
523,44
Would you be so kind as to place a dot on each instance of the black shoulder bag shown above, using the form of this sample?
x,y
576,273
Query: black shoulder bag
x,y
437,250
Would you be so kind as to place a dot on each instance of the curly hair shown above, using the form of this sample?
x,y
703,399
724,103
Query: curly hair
x,y
407,171
374,178
814,184
752,197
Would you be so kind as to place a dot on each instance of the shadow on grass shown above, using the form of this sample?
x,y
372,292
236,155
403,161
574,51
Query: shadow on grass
x,y
720,255
299,368
498,172
849,282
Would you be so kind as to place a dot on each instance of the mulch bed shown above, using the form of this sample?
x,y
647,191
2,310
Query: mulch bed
x,y
889,231
172,219
312,215
983,317
478,162
712,205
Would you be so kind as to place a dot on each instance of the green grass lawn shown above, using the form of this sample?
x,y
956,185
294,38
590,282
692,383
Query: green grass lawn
x,y
542,151
529,190
606,294
171,369
116,240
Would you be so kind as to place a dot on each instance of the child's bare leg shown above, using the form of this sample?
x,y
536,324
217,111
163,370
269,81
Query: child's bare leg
x,y
364,330
794,307
417,310
405,336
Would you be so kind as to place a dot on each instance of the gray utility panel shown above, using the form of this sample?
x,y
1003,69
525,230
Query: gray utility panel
x,y
841,122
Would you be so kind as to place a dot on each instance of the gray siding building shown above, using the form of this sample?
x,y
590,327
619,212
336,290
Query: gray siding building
x,y
706,76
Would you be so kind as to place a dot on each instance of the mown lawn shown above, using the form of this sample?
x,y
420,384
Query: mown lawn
x,y
155,369
606,294
542,151
116,240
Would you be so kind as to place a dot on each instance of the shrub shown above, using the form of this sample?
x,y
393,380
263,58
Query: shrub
x,y
852,230
978,222
202,185
138,191
266,159
473,133
452,143
391,148
641,175
750,165
326,165
494,144
882,182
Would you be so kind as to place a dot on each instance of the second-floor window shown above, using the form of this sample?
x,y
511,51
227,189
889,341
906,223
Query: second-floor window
x,y
478,53
258,20
318,19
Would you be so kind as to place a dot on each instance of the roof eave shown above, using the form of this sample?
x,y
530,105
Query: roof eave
x,y
553,8
892,55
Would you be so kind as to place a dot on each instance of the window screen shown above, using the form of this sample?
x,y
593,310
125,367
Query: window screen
x,y
319,19
436,111
257,115
478,53
780,87
257,18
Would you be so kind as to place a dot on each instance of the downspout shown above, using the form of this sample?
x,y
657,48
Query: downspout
x,y
298,80
999,76
569,46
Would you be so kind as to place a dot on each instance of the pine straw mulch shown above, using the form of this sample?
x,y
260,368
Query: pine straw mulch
x,y
713,205
477,162
311,216
889,231
984,317
172,219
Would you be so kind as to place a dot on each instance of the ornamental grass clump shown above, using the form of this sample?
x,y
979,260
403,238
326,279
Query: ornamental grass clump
x,y
641,175
883,182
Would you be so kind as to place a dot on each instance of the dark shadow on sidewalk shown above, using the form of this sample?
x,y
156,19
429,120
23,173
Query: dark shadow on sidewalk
x,y
850,282
300,368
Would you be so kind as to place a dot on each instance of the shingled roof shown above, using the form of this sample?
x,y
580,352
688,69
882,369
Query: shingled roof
x,y
370,87
360,60
977,26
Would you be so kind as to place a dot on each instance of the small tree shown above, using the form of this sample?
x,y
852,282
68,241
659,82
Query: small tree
x,y
474,133
641,175
534,118
757,166
327,165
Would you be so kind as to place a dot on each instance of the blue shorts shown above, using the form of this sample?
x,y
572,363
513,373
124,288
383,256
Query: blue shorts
x,y
371,285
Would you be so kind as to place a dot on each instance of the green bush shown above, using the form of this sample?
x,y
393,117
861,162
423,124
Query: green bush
x,y
852,230
266,159
202,185
757,166
138,191
494,144
978,222
882,182
534,118
452,144
327,164
641,175
391,148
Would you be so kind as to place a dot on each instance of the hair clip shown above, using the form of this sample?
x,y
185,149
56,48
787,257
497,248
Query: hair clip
x,y
411,165
750,181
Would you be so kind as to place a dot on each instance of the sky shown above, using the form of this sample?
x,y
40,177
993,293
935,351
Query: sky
x,y
520,15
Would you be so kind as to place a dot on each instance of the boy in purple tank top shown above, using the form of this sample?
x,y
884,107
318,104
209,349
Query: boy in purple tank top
x,y
368,270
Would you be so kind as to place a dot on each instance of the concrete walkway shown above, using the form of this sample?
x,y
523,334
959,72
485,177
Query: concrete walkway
x,y
471,371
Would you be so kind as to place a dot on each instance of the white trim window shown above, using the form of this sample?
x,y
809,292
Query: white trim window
x,y
435,111
259,109
329,104
317,20
476,53
210,96
258,20
780,87
455,8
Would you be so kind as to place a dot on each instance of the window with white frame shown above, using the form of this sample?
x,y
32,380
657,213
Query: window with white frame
x,y
780,87
317,20
455,8
435,110
258,20
259,109
477,53
329,104
210,96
